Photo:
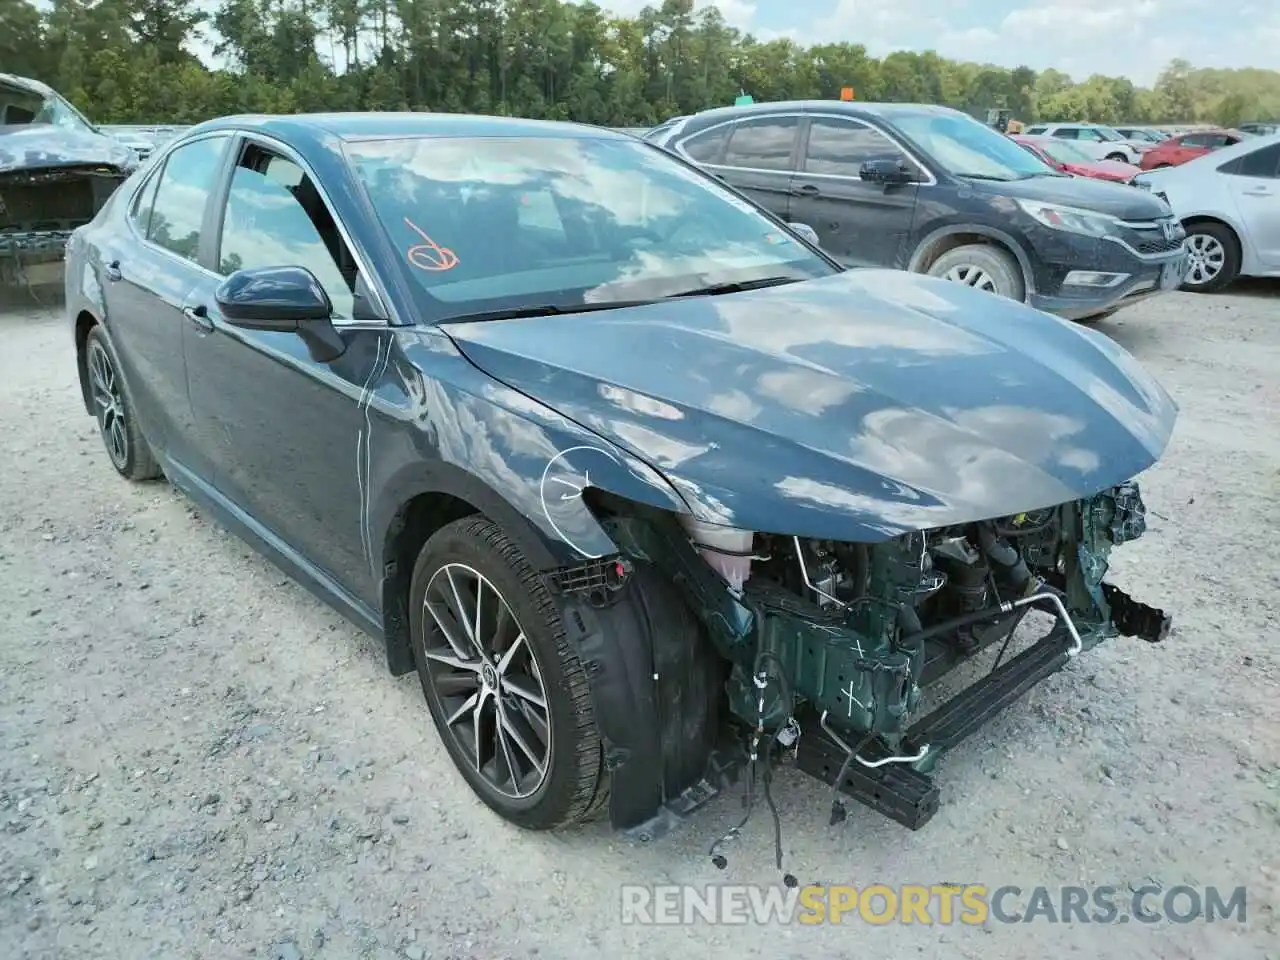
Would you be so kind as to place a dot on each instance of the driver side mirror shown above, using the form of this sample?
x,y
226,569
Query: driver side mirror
x,y
885,171
285,299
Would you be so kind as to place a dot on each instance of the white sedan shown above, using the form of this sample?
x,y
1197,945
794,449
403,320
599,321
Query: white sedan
x,y
1229,202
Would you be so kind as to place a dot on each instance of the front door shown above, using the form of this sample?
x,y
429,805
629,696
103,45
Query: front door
x,y
1256,189
149,275
862,224
291,435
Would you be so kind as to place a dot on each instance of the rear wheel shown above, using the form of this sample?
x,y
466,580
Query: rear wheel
x,y
1213,257
113,407
508,695
1118,157
983,267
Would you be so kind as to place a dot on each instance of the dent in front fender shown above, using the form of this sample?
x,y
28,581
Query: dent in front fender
x,y
513,458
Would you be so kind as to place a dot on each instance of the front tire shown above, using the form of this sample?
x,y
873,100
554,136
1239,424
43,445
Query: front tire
x,y
508,695
113,408
983,267
1118,157
1214,257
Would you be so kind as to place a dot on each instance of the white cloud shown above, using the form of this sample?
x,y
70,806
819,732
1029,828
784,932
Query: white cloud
x,y
1132,38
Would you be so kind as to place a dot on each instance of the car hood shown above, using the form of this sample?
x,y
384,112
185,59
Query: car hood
x,y
33,146
856,407
1116,199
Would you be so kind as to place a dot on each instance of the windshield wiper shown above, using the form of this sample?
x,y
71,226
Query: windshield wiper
x,y
734,286
983,176
543,310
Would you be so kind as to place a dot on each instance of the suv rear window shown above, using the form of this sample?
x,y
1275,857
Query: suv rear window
x,y
762,143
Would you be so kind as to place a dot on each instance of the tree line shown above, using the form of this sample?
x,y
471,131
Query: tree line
x,y
127,61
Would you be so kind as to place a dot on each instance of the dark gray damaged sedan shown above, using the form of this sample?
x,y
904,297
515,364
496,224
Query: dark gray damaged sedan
x,y
646,488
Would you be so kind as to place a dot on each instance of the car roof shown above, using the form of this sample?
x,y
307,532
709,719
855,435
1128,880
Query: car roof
x,y
390,125
26,83
853,108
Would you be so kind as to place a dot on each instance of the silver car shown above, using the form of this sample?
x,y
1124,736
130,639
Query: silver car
x,y
1101,143
1229,202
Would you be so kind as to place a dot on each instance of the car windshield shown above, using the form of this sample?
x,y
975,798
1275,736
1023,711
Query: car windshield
x,y
25,106
493,224
1064,151
966,148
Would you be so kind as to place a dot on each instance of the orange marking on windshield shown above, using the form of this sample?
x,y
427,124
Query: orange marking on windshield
x,y
429,255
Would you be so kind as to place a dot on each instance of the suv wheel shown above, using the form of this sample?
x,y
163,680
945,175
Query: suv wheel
x,y
508,695
982,267
1213,257
1118,157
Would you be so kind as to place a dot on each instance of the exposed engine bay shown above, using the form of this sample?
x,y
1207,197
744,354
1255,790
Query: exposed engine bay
x,y
829,645
39,208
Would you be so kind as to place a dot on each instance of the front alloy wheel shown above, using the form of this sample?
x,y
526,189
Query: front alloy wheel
x,y
486,675
1213,257
504,684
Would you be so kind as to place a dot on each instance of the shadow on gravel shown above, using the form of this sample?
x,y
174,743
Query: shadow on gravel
x,y
1254,287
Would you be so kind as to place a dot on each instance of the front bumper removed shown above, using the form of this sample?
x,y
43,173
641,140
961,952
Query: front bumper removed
x,y
905,792
908,795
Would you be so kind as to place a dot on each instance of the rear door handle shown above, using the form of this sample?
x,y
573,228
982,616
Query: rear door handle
x,y
1259,192
112,271
199,316
806,190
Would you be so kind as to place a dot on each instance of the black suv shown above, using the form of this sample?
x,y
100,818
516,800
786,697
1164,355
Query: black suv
x,y
930,189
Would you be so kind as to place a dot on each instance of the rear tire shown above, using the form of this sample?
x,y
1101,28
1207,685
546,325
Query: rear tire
x,y
522,657
113,408
1214,257
1119,157
984,267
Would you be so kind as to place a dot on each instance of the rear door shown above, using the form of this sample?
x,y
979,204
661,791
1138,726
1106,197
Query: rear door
x,y
150,271
757,155
1254,182
860,223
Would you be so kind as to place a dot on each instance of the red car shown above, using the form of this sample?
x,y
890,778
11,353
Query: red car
x,y
1065,156
1187,146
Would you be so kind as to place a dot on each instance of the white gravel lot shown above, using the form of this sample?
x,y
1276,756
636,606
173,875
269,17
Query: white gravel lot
x,y
199,760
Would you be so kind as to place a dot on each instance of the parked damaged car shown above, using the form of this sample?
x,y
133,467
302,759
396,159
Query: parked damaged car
x,y
649,490
56,172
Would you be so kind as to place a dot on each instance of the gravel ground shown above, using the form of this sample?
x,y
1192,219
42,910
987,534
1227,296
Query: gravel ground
x,y
199,760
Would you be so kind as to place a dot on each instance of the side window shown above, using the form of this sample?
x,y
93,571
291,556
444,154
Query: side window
x,y
1067,133
1195,140
275,217
841,147
764,143
707,146
1036,131
1264,163
177,211
143,202
1084,133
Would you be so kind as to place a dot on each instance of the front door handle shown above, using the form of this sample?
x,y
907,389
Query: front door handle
x,y
200,317
1259,192
806,190
112,271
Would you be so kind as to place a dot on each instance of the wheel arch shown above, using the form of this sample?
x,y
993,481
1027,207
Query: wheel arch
x,y
945,239
420,502
1201,218
85,321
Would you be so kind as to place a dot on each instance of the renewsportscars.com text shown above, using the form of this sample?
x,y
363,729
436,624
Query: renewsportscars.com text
x,y
942,904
